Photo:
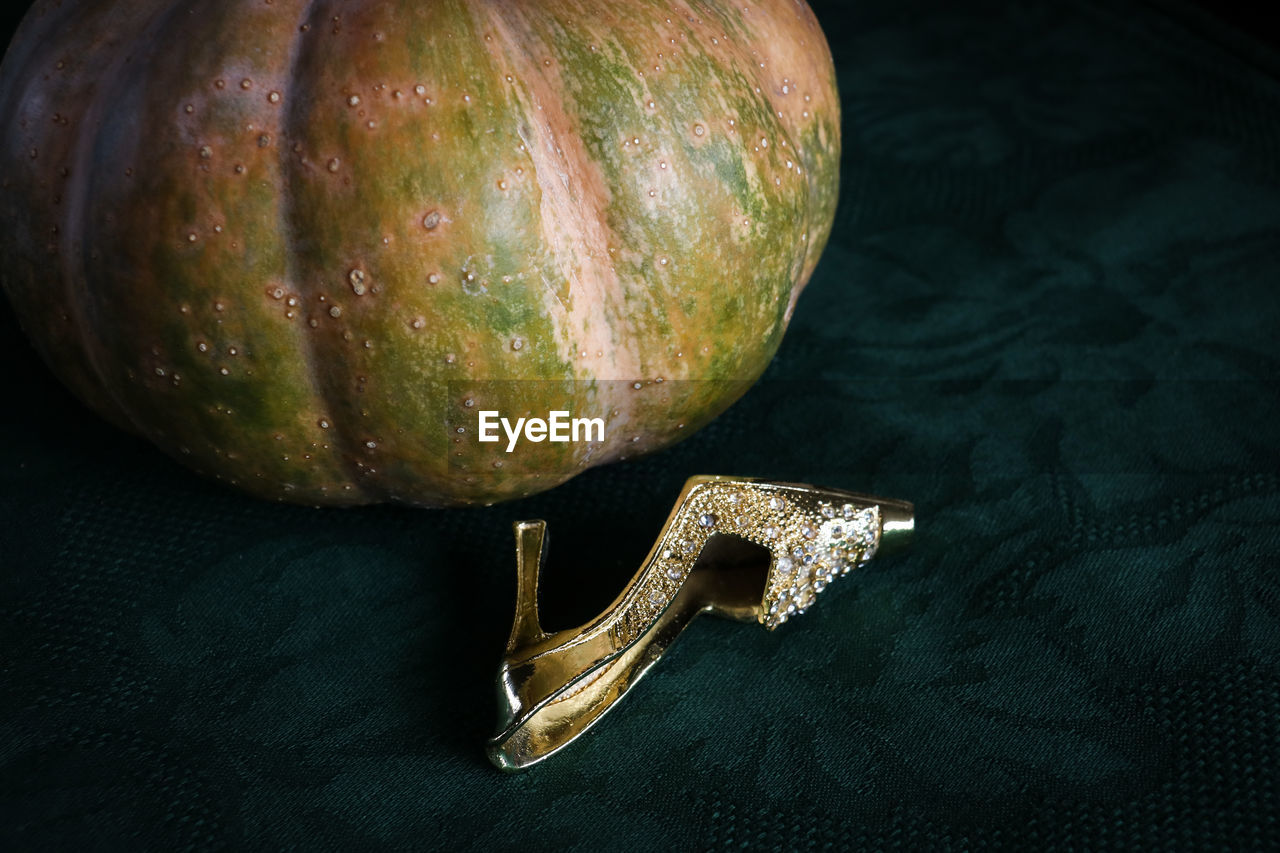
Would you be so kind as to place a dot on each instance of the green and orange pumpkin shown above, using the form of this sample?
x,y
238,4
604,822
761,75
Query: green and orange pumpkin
x,y
299,244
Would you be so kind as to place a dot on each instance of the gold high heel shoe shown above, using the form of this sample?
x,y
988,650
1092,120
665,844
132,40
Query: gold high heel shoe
x,y
553,687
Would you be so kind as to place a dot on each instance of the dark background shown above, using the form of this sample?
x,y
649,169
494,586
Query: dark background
x,y
1048,315
1256,19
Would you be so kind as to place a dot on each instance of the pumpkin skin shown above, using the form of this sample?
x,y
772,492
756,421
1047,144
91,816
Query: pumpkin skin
x,y
299,245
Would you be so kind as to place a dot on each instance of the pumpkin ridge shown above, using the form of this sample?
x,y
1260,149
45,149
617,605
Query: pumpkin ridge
x,y
76,266
592,280
290,214
20,61
791,139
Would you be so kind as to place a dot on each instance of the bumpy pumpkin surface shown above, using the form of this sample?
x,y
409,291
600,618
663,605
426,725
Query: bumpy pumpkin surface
x,y
299,245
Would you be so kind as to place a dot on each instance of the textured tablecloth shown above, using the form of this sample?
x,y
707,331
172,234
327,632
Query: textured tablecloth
x,y
1048,315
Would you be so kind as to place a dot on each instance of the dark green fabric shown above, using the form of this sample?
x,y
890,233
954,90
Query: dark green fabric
x,y
1048,315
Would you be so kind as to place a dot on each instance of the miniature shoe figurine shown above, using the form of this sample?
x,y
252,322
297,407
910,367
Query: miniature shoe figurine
x,y
553,687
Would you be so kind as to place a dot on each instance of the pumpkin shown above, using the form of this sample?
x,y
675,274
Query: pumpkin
x,y
300,246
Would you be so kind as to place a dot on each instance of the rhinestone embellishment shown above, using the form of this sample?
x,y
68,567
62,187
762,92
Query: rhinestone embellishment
x,y
811,541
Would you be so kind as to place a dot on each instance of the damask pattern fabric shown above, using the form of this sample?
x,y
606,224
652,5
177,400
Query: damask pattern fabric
x,y
1048,315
